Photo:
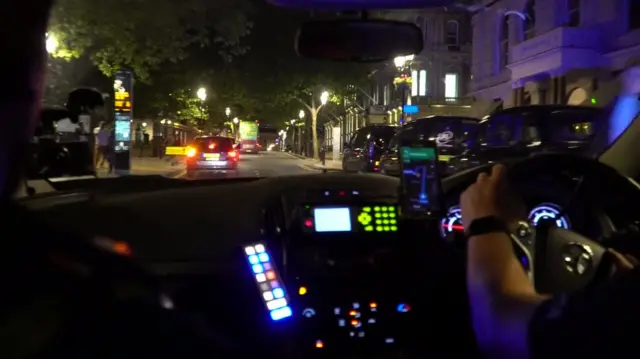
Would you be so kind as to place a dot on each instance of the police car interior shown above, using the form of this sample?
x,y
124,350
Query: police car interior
x,y
336,265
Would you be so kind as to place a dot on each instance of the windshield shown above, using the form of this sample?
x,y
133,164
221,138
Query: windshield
x,y
157,101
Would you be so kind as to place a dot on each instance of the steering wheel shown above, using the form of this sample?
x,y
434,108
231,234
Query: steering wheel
x,y
559,259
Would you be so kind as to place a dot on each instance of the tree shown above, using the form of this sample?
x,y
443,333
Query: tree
x,y
279,82
143,34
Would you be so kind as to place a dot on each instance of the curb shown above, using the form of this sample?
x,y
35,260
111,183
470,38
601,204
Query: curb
x,y
297,156
176,173
319,169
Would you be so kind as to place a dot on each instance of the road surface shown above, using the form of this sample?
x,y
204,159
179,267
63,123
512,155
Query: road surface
x,y
266,164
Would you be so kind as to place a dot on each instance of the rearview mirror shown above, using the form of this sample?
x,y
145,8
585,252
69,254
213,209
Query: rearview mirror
x,y
358,40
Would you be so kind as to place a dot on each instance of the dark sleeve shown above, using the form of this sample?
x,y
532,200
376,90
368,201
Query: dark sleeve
x,y
600,324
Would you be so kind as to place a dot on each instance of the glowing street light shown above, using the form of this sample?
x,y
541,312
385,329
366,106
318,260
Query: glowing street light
x,y
301,114
202,93
324,97
401,61
227,111
51,43
294,120
235,120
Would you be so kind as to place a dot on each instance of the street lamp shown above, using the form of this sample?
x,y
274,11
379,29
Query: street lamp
x,y
202,94
51,43
227,111
401,61
301,114
235,120
324,97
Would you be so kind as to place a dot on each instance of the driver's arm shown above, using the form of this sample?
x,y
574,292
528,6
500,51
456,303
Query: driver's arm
x,y
501,296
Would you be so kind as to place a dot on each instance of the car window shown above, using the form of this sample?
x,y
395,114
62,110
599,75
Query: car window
x,y
448,133
568,126
382,136
498,131
361,138
394,142
219,143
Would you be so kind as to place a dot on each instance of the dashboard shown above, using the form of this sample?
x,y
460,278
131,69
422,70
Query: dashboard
x,y
451,223
322,262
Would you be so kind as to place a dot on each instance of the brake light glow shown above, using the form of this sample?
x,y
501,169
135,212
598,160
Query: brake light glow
x,y
191,152
269,281
232,154
212,146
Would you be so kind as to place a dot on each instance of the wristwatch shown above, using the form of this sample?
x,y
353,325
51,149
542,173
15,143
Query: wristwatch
x,y
486,225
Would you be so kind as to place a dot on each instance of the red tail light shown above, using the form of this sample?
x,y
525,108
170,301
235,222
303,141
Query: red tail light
x,y
212,146
232,154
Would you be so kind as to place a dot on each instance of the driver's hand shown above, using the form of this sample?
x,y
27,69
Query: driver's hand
x,y
490,195
630,80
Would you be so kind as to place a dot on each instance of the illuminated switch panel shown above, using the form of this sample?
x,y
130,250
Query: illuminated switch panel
x,y
269,282
379,218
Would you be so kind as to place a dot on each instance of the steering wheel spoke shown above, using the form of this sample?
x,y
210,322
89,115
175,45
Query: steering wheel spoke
x,y
564,260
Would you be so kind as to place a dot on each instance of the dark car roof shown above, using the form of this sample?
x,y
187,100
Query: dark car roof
x,y
545,109
376,126
431,118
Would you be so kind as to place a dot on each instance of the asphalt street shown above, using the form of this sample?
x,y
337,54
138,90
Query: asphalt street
x,y
265,164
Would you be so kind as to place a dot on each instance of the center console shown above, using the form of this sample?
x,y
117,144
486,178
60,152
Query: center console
x,y
351,279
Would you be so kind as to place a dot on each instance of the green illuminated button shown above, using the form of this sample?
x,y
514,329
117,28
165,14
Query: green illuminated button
x,y
364,218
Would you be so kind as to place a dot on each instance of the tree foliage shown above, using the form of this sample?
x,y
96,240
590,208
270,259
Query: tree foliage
x,y
282,83
143,34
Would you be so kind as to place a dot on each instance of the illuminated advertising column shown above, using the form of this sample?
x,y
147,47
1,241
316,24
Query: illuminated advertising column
x,y
123,113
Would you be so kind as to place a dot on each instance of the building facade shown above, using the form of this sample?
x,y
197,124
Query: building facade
x,y
440,75
551,51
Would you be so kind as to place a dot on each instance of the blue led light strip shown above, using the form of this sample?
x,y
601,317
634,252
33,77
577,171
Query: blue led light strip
x,y
269,282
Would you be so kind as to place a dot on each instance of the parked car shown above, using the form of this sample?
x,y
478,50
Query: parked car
x,y
525,130
363,150
452,134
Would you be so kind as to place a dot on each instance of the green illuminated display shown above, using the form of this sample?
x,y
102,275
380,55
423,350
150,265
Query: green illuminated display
x,y
379,219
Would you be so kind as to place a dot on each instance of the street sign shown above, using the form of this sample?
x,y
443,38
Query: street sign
x,y
410,109
123,116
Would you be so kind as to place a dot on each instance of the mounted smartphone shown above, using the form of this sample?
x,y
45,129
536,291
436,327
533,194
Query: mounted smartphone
x,y
420,182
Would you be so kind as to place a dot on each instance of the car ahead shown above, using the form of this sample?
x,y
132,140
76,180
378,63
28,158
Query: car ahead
x,y
522,131
211,153
363,150
452,135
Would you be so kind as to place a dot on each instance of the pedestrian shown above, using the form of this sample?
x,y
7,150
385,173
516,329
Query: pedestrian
x,y
102,142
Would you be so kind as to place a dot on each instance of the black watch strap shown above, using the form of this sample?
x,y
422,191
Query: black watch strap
x,y
486,225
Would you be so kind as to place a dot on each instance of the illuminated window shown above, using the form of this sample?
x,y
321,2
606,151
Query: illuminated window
x,y
451,87
422,89
414,83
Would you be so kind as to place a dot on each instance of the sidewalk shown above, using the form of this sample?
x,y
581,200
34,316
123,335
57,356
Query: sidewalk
x,y
312,164
168,167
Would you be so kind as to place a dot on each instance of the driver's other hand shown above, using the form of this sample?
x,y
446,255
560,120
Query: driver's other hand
x,y
630,80
623,263
490,195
